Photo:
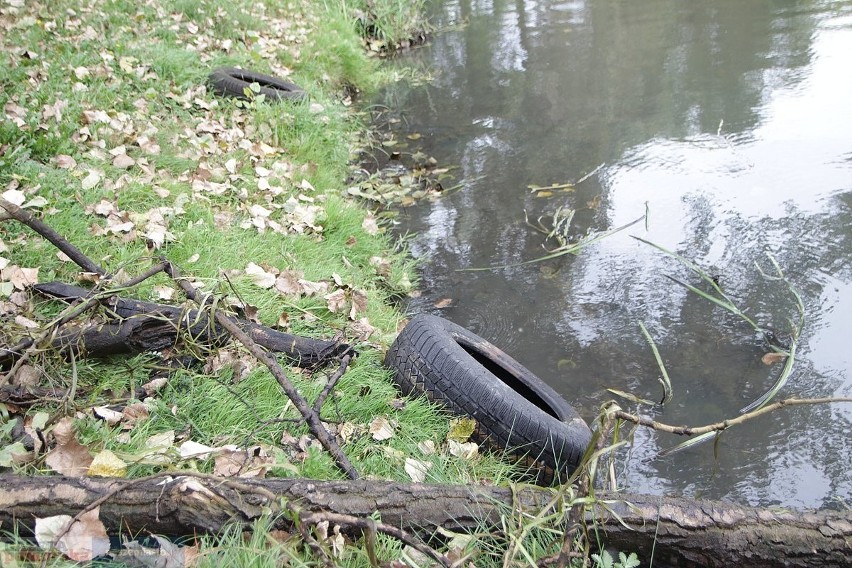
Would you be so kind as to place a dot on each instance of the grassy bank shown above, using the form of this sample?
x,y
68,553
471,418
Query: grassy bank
x,y
111,136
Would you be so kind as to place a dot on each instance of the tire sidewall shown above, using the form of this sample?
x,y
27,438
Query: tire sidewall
x,y
499,408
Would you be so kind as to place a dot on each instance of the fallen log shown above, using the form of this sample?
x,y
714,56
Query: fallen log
x,y
142,327
680,532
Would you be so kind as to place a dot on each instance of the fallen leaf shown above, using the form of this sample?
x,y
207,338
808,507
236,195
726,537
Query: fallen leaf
x,y
166,555
461,429
26,376
370,225
91,180
235,462
426,447
288,282
158,448
259,276
382,266
359,302
164,292
85,540
772,358
380,429
68,457
15,196
107,464
443,303
111,417
14,454
138,412
21,278
466,450
336,301
192,450
123,161
362,329
416,469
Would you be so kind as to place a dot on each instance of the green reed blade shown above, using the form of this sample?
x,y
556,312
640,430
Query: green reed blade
x,y
664,378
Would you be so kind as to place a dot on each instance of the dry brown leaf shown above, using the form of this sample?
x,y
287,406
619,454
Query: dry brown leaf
x,y
21,278
380,429
362,329
91,180
259,276
416,469
772,358
235,462
138,412
26,376
68,457
359,302
382,266
336,301
123,161
313,288
85,540
288,282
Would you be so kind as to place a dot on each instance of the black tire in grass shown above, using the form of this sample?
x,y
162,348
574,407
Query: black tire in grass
x,y
233,82
513,408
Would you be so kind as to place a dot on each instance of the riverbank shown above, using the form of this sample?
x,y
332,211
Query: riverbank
x,y
111,135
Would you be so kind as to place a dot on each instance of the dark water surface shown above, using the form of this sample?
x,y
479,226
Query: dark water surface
x,y
733,121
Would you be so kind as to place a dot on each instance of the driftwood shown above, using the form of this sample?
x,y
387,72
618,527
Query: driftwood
x,y
146,326
681,532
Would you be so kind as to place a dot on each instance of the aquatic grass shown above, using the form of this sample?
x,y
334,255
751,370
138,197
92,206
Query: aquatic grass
x,y
796,330
566,248
664,375
723,300
720,298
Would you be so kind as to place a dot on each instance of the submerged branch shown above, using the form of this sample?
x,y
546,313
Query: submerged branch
x,y
725,424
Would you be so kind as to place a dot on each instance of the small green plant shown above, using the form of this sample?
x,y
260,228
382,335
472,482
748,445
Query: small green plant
x,y
605,560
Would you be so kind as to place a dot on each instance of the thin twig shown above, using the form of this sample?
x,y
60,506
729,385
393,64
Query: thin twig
x,y
24,349
332,381
311,417
725,424
156,269
48,233
366,524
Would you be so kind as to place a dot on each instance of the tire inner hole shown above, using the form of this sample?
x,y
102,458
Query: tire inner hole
x,y
261,82
505,375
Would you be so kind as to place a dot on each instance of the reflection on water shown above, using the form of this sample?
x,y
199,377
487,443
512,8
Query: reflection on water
x,y
733,121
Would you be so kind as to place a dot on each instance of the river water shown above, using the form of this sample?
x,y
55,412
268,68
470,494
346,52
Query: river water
x,y
732,122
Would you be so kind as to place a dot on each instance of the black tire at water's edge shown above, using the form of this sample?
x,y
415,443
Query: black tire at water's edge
x,y
513,408
233,82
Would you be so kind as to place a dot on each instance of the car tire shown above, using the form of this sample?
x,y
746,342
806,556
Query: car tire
x,y
232,82
514,409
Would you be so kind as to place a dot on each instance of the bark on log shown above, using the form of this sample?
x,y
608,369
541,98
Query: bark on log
x,y
683,533
147,326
